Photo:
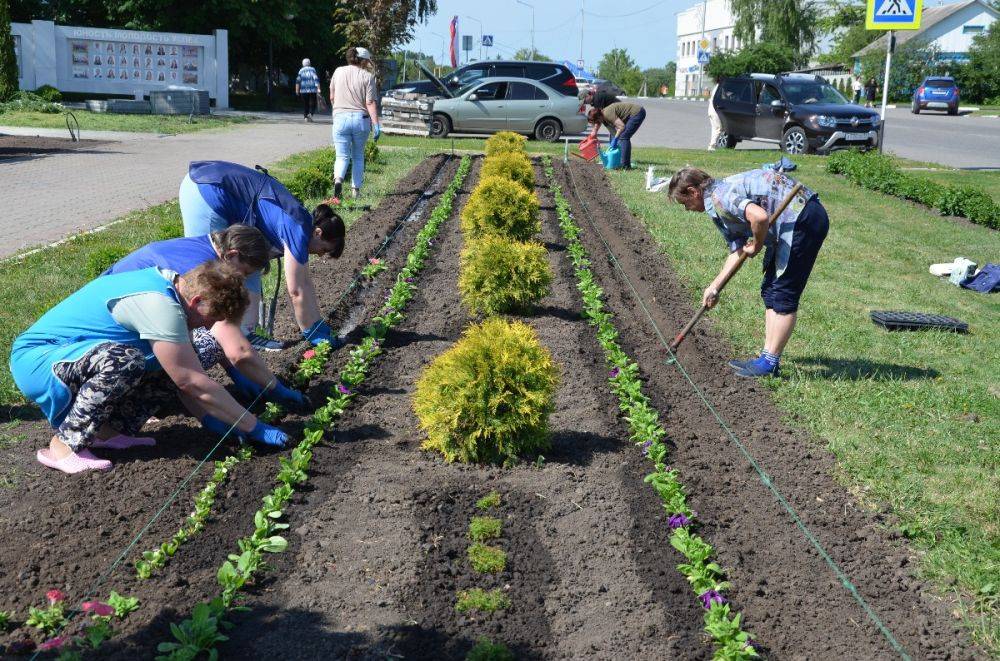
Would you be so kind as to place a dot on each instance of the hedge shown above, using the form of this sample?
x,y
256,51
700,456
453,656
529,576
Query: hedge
x,y
879,172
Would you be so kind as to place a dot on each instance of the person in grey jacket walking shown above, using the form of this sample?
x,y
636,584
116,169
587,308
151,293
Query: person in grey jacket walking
x,y
307,87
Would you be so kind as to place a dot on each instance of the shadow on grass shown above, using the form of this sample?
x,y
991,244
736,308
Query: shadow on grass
x,y
860,369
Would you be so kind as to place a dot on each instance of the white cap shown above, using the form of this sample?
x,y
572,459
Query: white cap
x,y
363,53
306,62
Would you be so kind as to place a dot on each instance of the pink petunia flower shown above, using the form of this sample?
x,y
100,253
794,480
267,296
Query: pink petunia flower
x,y
54,596
98,608
374,260
54,643
309,354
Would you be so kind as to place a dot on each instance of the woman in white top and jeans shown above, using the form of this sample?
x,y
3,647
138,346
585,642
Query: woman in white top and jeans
x,y
352,96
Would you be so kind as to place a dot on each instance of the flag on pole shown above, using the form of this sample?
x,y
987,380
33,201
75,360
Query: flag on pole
x,y
453,32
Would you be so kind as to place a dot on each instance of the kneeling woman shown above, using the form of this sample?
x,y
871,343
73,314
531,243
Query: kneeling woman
x,y
92,362
740,207
217,194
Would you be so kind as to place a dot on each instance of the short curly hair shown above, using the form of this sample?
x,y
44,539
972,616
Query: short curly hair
x,y
221,286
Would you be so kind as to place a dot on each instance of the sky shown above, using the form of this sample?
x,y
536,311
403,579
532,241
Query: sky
x,y
644,27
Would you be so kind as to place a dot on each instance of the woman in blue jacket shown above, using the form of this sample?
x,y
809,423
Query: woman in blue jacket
x,y
217,194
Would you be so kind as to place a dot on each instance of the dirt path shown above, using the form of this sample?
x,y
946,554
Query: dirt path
x,y
790,598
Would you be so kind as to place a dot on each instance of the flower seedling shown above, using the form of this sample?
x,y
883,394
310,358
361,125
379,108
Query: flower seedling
x,y
487,650
197,635
483,528
492,499
373,268
271,412
122,605
5,619
313,363
51,619
487,559
481,600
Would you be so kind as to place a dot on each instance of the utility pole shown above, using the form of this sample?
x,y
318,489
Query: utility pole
x,y
581,35
480,35
532,7
885,87
701,67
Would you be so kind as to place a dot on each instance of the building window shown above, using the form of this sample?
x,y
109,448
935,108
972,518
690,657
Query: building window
x,y
972,29
715,44
727,42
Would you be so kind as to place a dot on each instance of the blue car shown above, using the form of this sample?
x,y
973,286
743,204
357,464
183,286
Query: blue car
x,y
936,93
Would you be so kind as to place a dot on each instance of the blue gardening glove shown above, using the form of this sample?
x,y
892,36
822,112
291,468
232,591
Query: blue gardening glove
x,y
288,397
218,428
244,386
376,132
614,143
268,435
318,332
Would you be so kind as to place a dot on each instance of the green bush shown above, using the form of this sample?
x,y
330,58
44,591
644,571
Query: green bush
x,y
29,102
101,259
486,650
48,93
482,528
499,275
504,142
488,398
478,599
310,182
513,166
8,60
500,206
486,559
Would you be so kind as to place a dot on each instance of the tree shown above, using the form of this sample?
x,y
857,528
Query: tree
x,y
380,25
617,67
845,22
787,23
911,62
979,78
755,58
8,62
529,55
656,78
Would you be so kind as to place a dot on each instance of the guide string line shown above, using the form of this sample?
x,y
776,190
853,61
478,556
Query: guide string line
x,y
762,474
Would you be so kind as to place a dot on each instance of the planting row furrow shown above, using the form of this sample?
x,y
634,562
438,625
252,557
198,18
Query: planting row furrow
x,y
706,577
203,630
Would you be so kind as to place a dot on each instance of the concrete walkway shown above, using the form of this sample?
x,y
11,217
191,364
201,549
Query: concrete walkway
x,y
46,198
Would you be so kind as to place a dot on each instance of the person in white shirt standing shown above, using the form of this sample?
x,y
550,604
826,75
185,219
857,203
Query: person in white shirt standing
x,y
307,87
713,119
856,86
353,94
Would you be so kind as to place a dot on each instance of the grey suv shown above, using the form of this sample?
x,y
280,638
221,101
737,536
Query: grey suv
x,y
801,112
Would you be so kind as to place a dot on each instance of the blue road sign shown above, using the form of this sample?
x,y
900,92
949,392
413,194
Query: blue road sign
x,y
893,14
488,40
704,56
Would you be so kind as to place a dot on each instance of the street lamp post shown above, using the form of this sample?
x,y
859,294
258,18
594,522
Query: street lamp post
x,y
532,7
480,35
442,38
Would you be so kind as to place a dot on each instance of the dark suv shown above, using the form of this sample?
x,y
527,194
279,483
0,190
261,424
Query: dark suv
x,y
801,112
556,76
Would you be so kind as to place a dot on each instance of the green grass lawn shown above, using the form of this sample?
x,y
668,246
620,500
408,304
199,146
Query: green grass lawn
x,y
31,286
913,418
100,121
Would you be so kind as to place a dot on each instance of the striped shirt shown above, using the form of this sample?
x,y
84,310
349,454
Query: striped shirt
x,y
307,80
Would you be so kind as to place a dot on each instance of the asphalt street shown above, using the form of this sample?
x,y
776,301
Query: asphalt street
x,y
963,141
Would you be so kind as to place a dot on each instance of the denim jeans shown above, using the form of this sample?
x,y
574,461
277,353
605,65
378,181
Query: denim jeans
x,y
625,137
350,132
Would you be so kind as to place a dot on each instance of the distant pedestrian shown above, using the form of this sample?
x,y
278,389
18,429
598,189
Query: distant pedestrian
x,y
353,95
871,88
856,86
713,119
307,87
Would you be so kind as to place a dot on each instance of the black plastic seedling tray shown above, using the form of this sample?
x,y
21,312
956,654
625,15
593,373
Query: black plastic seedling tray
x,y
917,321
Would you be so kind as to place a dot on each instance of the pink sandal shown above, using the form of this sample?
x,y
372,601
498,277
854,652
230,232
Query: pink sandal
x,y
123,442
74,462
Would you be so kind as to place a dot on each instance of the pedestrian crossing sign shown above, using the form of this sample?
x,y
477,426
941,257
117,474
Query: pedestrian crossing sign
x,y
893,14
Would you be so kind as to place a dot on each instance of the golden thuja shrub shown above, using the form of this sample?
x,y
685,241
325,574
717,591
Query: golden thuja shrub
x,y
513,166
499,275
488,398
500,206
505,141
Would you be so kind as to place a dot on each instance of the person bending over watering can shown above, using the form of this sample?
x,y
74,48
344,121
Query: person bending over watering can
x,y
246,249
217,194
740,207
622,119
101,362
353,97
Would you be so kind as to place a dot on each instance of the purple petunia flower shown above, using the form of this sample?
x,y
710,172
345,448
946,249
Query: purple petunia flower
x,y
343,390
409,280
615,372
678,520
709,597
646,446
752,643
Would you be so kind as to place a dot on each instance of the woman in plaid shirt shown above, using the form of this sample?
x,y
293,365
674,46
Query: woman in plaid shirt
x,y
307,86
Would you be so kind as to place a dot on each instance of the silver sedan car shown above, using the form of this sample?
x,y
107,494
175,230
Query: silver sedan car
x,y
508,104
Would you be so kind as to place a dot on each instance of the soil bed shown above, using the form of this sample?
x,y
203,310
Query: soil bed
x,y
24,146
790,599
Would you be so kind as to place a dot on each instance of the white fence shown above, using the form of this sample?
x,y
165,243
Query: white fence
x,y
123,62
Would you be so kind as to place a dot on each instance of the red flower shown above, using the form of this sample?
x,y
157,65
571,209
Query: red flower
x,y
98,608
54,643
374,260
54,596
309,354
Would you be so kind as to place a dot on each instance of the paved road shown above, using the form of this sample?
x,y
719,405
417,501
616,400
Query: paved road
x,y
964,141
44,199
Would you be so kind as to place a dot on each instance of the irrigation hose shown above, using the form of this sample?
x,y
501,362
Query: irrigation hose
x,y
764,477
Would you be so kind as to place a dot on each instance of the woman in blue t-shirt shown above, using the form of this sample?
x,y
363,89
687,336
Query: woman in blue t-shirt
x,y
217,194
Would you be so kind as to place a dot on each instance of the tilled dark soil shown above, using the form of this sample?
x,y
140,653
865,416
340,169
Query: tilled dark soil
x,y
59,531
789,596
379,555
29,146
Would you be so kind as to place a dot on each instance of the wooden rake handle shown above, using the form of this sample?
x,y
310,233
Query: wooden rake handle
x,y
728,275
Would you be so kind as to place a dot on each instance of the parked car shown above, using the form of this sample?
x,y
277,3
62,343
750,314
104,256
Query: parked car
x,y
586,84
506,104
936,93
801,112
556,76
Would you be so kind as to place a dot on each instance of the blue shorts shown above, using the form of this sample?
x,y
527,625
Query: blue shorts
x,y
782,294
200,219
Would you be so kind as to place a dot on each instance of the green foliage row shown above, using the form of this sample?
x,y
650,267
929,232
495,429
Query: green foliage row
x,y
504,142
498,205
28,102
880,172
488,398
201,633
499,275
705,576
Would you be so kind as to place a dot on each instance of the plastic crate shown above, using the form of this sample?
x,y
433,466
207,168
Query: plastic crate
x,y
894,320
